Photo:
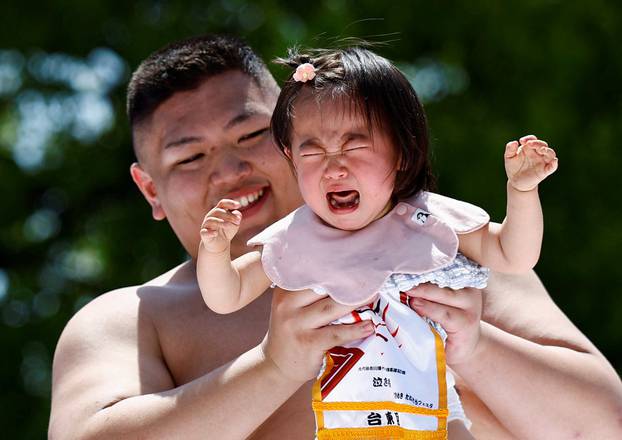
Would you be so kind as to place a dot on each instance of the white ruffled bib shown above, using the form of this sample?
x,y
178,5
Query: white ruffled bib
x,y
418,236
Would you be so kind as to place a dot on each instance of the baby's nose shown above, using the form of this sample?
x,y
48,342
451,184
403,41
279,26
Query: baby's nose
x,y
335,169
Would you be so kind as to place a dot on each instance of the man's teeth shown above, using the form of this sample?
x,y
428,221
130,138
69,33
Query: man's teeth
x,y
249,198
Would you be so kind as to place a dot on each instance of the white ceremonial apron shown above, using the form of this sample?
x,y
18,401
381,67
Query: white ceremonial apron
x,y
390,385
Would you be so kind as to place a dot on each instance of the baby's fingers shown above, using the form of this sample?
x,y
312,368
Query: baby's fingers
x,y
548,153
551,167
225,209
211,226
511,149
216,233
542,155
527,138
538,151
234,217
228,204
208,234
535,145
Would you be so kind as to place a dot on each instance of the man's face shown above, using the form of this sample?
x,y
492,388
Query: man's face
x,y
211,143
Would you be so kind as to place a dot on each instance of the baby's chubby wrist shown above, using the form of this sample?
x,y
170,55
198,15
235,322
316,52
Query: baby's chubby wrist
x,y
214,251
514,188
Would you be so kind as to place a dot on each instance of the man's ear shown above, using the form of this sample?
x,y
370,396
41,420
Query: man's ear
x,y
145,184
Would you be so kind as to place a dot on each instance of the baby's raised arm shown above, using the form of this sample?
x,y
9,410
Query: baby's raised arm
x,y
227,286
514,246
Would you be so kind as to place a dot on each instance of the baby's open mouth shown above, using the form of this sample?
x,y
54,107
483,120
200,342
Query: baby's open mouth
x,y
339,200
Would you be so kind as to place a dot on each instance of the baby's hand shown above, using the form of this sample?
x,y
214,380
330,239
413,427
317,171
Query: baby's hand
x,y
220,226
528,162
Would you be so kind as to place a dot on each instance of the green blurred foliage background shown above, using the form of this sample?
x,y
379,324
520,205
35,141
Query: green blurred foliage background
x,y
72,225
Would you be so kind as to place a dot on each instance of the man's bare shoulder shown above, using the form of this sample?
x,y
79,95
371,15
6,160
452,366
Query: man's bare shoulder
x,y
125,306
163,321
110,350
127,314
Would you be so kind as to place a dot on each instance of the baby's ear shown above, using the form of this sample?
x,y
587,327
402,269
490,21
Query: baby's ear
x,y
288,153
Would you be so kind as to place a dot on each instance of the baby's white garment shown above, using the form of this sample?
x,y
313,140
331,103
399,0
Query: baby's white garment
x,y
454,405
392,384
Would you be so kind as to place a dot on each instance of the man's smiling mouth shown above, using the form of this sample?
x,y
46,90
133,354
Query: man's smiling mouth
x,y
249,198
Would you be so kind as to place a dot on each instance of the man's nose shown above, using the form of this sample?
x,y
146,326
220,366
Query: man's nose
x,y
335,168
229,170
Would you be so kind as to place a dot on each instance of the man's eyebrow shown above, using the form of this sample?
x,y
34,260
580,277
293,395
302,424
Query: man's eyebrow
x,y
183,141
242,117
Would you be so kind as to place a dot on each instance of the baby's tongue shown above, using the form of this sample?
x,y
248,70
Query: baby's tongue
x,y
343,199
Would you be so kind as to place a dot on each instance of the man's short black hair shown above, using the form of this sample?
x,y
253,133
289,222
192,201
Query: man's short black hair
x,y
185,65
379,91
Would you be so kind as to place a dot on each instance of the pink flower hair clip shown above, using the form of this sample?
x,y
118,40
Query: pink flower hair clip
x,y
305,72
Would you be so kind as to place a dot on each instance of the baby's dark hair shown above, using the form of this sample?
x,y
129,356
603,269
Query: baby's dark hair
x,y
379,91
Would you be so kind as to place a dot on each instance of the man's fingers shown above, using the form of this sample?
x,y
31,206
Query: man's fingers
x,y
451,318
455,298
324,311
289,300
333,335
312,310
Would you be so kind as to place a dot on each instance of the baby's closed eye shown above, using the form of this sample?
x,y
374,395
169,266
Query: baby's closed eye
x,y
313,153
355,148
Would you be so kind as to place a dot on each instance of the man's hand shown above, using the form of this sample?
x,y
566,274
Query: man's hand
x,y
458,311
528,162
300,332
220,225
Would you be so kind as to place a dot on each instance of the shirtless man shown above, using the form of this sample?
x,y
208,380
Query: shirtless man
x,y
153,362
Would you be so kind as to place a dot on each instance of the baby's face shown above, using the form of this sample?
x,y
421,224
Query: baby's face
x,y
345,172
